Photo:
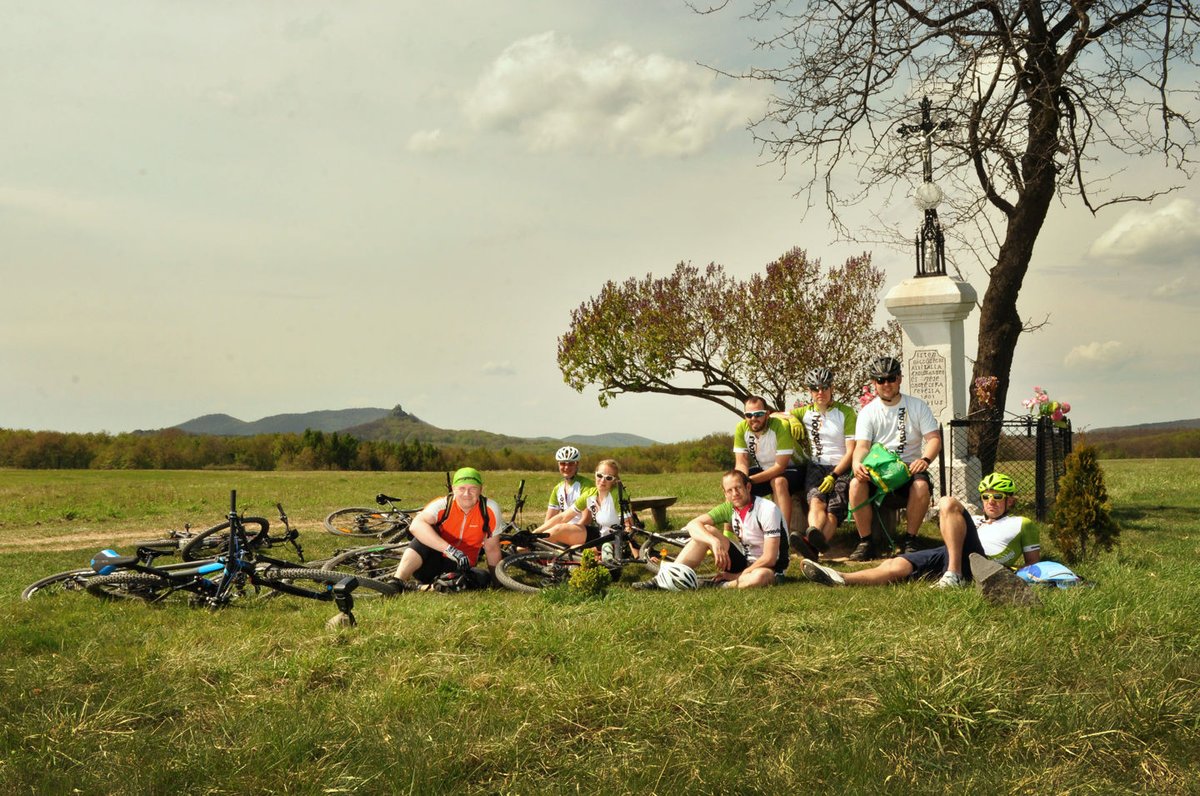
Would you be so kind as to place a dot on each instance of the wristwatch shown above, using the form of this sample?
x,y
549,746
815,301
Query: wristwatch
x,y
927,460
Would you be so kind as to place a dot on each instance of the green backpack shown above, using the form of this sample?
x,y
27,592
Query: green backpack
x,y
887,471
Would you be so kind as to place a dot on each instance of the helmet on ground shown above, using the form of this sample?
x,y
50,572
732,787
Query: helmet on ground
x,y
998,482
567,453
673,576
818,377
882,367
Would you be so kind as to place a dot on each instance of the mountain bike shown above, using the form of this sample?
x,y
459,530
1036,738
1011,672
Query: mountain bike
x,y
208,542
214,583
72,580
390,525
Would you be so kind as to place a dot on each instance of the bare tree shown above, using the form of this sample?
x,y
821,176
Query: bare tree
x,y
1043,97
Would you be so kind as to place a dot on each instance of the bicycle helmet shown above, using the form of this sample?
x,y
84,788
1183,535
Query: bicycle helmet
x,y
998,482
882,367
673,576
818,377
567,453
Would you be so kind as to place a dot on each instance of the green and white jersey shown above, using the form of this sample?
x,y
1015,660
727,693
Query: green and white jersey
x,y
826,433
776,440
564,495
1007,539
605,512
760,521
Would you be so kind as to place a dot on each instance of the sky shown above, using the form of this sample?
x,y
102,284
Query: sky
x,y
274,207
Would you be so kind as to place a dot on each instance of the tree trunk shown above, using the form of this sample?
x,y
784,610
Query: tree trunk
x,y
999,322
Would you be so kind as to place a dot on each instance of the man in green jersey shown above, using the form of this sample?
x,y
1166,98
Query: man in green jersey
x,y
1003,537
762,449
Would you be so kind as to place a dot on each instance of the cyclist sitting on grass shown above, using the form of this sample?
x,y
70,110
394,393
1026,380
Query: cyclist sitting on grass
x,y
996,534
754,553
597,510
449,533
567,491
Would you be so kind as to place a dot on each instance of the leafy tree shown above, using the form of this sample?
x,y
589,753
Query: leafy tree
x,y
706,334
1043,98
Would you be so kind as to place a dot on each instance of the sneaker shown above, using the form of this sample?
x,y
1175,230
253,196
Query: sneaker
x,y
823,575
816,539
802,548
646,585
864,552
910,543
950,580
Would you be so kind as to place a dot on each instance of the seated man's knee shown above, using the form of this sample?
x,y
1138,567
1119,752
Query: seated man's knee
x,y
949,505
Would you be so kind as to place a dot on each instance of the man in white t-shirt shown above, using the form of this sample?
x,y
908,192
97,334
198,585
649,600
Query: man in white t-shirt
x,y
905,425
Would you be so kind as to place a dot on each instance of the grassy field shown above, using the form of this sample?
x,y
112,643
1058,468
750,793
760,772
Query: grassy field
x,y
891,690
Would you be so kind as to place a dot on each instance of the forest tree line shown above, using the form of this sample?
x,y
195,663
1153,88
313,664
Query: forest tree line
x,y
173,449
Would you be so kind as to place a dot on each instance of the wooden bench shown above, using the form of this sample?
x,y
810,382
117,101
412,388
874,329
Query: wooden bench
x,y
658,509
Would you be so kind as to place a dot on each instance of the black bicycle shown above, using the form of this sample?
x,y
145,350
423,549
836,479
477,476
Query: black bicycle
x,y
388,525
216,582
74,580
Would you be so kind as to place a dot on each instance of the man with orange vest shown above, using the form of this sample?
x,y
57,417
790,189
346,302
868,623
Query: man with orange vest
x,y
449,533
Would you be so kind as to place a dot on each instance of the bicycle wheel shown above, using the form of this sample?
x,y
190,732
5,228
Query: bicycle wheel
x,y
318,584
133,586
531,572
373,562
73,580
367,523
211,540
656,548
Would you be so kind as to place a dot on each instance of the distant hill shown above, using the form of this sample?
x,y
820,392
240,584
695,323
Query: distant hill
x,y
609,440
1148,428
1170,440
394,425
327,420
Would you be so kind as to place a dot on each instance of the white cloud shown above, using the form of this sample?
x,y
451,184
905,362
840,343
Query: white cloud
x,y
504,368
557,97
1169,235
1108,354
429,142
1180,287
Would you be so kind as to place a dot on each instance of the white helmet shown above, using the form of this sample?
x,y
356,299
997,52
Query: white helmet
x,y
673,576
567,453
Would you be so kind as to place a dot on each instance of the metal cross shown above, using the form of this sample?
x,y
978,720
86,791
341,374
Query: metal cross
x,y
930,242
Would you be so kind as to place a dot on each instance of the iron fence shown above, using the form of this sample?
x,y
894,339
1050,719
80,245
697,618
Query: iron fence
x,y
1030,450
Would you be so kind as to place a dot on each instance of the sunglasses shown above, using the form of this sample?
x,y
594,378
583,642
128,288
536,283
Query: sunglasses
x,y
605,477
887,380
815,387
994,496
759,413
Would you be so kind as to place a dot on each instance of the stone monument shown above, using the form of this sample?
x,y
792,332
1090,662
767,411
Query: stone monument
x,y
931,308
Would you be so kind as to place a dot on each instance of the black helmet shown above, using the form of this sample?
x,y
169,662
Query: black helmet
x,y
818,377
882,367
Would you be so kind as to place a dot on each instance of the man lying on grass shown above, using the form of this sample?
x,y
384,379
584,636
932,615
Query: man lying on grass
x,y
997,535
754,553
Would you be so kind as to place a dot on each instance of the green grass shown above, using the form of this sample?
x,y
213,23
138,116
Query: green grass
x,y
890,690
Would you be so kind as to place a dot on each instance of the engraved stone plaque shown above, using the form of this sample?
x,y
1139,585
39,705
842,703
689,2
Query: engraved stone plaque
x,y
925,377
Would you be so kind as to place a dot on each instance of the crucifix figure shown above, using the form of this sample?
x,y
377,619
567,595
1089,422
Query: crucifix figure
x,y
930,243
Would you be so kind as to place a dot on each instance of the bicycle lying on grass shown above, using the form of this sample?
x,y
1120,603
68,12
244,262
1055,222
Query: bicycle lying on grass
x,y
217,581
388,526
